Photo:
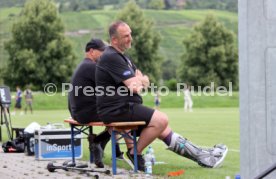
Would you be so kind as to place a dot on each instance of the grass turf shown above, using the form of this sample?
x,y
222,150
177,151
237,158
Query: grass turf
x,y
172,100
204,126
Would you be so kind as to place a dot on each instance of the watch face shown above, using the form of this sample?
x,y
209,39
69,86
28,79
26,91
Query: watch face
x,y
5,95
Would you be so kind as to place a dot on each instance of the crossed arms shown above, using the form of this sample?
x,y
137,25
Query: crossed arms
x,y
138,82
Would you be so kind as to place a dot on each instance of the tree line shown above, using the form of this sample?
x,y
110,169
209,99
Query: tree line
x,y
39,53
80,5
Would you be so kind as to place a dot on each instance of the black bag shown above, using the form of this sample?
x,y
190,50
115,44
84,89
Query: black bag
x,y
29,143
15,145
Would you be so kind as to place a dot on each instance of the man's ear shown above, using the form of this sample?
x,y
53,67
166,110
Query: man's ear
x,y
114,40
90,51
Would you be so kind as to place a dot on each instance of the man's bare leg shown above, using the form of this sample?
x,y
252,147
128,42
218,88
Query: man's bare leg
x,y
157,125
211,158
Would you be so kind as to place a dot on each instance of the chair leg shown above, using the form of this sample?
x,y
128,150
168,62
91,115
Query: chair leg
x,y
72,144
113,147
90,153
113,140
135,151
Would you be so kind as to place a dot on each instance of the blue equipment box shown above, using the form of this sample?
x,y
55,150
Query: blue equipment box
x,y
56,144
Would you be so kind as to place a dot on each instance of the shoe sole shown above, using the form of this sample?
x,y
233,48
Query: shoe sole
x,y
120,159
219,163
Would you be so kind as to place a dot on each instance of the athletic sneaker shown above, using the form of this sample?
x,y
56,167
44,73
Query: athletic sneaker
x,y
129,162
213,158
140,159
120,156
220,152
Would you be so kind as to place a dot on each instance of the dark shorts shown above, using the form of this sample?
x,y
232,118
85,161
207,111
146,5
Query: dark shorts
x,y
85,117
18,104
132,112
157,103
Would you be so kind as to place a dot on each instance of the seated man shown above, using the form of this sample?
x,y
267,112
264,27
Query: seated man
x,y
116,71
82,103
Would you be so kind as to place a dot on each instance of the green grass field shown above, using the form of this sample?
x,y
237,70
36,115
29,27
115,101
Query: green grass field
x,y
204,126
172,100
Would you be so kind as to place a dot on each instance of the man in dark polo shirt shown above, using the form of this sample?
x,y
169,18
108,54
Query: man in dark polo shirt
x,y
118,85
82,100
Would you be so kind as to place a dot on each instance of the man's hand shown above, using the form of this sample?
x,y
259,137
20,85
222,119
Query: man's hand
x,y
143,78
145,81
137,83
138,73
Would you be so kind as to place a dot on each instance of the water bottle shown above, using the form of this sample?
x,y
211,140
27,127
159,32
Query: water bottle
x,y
151,152
148,163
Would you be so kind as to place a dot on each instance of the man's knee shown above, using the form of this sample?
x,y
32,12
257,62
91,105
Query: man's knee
x,y
160,119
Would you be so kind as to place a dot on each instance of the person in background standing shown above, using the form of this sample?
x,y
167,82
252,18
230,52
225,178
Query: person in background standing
x,y
28,99
188,102
157,101
18,99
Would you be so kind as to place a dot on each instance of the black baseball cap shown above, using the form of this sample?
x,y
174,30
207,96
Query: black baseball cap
x,y
95,44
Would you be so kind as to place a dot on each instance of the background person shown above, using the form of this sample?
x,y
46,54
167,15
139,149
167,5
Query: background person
x,y
157,100
18,100
82,105
28,99
115,69
188,102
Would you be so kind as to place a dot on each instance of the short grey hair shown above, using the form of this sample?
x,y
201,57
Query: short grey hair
x,y
114,26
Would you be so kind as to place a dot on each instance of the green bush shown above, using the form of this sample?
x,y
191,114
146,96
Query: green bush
x,y
171,84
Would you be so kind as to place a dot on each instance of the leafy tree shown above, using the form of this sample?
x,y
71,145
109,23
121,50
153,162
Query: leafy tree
x,y
229,5
38,51
78,5
156,4
168,69
11,3
144,51
210,55
175,4
171,84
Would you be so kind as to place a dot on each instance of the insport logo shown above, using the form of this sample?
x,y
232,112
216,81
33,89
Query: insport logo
x,y
58,148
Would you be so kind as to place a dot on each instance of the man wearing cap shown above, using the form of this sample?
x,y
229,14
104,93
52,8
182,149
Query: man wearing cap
x,y
82,99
